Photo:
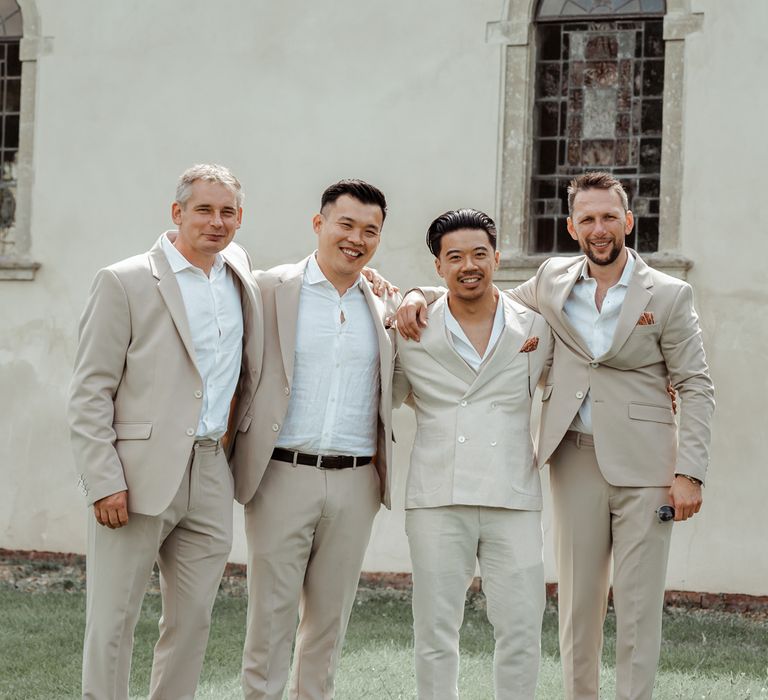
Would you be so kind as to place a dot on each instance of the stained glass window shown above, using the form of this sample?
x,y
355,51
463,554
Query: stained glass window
x,y
599,89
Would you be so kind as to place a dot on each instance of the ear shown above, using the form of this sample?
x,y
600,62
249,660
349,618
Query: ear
x,y
630,222
176,213
317,222
571,229
496,260
239,217
438,268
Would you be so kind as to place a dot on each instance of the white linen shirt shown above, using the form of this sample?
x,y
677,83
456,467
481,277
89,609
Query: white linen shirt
x,y
464,346
597,328
215,316
334,403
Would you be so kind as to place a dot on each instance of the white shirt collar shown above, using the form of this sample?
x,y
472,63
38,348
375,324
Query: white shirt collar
x,y
314,275
455,328
625,275
177,261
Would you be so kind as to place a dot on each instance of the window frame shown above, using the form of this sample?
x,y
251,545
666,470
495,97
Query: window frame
x,y
517,36
19,265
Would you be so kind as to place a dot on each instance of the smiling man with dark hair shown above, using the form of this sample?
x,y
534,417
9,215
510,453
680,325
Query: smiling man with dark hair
x,y
473,491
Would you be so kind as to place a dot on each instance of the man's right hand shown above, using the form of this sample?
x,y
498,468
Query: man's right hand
x,y
112,511
412,315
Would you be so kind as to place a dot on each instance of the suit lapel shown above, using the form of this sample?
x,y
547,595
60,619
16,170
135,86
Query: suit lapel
x,y
435,341
378,312
171,294
287,295
635,301
563,286
253,322
515,333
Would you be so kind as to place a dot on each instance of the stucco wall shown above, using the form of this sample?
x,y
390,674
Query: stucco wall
x,y
293,96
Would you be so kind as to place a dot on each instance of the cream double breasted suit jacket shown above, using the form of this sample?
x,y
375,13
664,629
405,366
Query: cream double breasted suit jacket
x,y
258,428
476,424
136,394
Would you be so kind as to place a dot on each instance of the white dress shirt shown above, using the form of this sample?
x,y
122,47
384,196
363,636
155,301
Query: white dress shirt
x,y
334,404
215,316
464,346
597,328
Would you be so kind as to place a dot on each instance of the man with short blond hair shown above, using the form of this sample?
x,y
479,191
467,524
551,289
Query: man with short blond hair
x,y
165,339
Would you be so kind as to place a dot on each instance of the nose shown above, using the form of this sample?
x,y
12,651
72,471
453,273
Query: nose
x,y
355,235
216,219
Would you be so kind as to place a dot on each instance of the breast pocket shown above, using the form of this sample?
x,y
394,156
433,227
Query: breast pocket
x,y
132,431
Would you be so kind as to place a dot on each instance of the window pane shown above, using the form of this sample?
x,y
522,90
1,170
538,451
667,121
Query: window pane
x,y
599,108
558,9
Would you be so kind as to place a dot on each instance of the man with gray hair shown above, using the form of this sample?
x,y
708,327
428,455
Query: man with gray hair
x,y
167,339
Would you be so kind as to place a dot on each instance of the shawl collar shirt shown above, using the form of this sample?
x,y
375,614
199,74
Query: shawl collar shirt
x,y
334,404
215,317
464,346
596,328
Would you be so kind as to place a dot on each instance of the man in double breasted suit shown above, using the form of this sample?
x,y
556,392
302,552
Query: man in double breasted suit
x,y
165,339
473,490
622,331
312,452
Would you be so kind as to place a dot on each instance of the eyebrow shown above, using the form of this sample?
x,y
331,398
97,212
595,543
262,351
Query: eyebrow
x,y
461,250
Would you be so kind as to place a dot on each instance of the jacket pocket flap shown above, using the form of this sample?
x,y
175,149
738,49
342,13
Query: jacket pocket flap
x,y
547,392
658,414
244,424
133,431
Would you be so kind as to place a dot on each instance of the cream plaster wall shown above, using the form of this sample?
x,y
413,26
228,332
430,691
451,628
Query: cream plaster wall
x,y
293,96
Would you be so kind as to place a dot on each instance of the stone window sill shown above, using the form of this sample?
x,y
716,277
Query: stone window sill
x,y
13,268
515,269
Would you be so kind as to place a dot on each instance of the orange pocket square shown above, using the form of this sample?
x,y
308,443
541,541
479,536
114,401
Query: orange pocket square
x,y
646,319
530,345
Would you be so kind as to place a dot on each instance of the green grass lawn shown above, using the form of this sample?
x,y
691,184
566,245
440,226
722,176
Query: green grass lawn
x,y
705,655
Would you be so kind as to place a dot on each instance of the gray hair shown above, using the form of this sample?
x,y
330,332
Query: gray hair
x,y
208,172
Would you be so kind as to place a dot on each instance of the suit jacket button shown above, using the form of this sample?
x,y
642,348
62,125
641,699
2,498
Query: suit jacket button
x,y
287,391
463,403
190,432
579,394
198,394
462,439
594,364
275,427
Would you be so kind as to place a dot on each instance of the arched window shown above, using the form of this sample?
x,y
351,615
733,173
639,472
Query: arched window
x,y
598,105
588,84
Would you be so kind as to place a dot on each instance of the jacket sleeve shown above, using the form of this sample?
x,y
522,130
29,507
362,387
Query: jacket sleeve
x,y
105,333
683,352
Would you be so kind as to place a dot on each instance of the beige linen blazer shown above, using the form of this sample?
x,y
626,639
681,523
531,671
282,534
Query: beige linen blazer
x,y
260,425
637,440
473,441
136,394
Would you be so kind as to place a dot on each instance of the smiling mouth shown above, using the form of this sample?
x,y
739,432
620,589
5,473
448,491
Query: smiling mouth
x,y
351,253
470,279
601,245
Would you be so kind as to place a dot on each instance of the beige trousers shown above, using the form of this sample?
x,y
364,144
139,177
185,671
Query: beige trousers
x,y
307,531
191,541
445,544
592,520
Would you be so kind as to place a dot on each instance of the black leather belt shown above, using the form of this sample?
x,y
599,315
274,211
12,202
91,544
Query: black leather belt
x,y
319,461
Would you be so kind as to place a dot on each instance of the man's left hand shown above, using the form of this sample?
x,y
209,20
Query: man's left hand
x,y
380,286
686,498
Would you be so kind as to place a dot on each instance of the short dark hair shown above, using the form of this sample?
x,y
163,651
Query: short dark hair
x,y
359,189
596,180
456,220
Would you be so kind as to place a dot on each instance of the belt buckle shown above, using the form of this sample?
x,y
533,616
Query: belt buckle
x,y
333,461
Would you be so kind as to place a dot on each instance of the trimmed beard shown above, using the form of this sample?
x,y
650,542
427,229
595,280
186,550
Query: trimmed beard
x,y
614,254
